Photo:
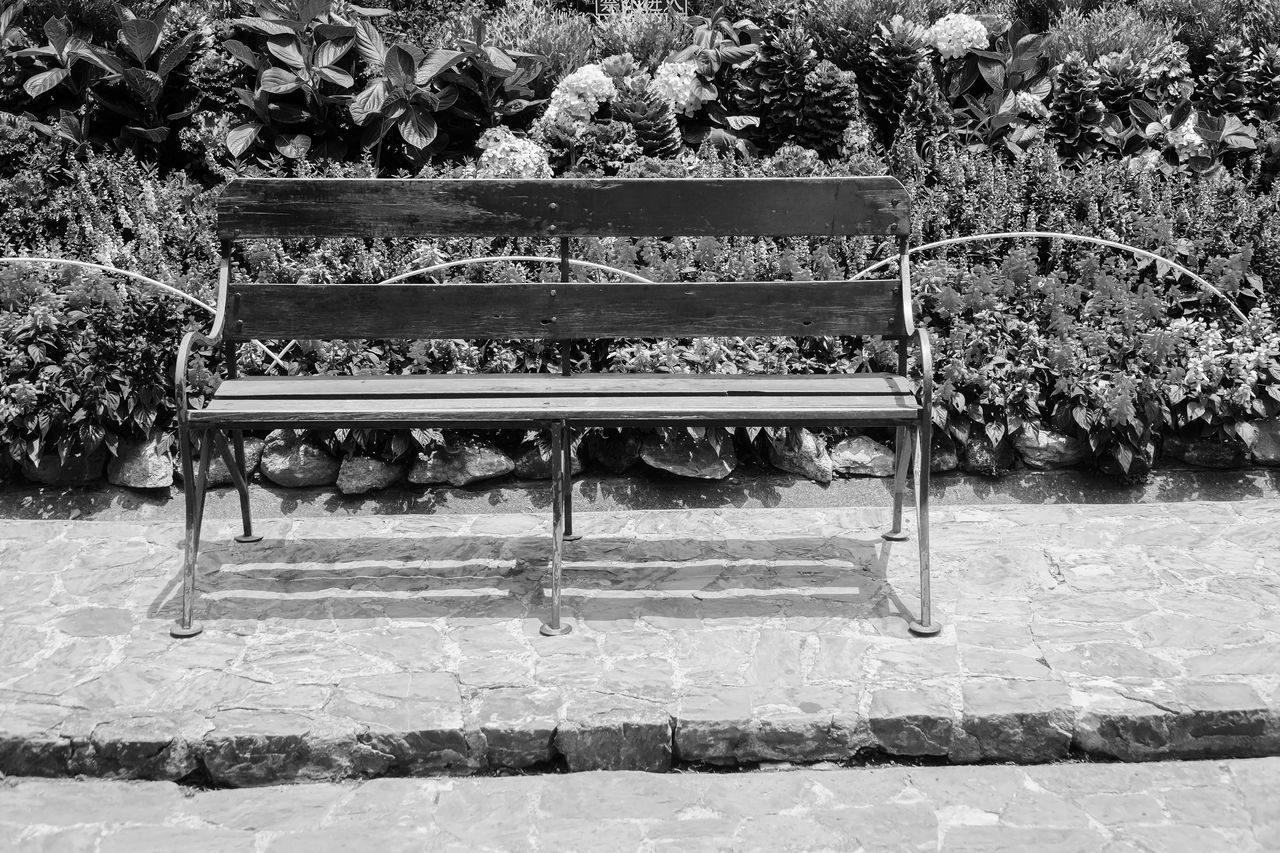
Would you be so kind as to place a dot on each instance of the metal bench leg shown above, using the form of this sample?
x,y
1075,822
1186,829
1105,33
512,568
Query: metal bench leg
x,y
926,626
554,628
239,476
902,457
185,625
567,464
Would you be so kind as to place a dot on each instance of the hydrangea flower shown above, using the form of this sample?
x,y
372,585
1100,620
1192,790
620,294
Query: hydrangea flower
x,y
678,83
1025,103
577,97
1187,142
23,395
956,34
509,156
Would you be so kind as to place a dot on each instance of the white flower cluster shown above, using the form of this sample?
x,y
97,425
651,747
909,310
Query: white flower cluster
x,y
678,83
856,138
577,97
509,156
1025,103
1185,139
956,34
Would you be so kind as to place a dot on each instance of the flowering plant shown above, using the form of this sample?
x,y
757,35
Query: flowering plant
x,y
678,83
956,34
578,96
509,156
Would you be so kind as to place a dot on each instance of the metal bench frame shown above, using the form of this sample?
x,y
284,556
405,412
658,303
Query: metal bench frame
x,y
282,208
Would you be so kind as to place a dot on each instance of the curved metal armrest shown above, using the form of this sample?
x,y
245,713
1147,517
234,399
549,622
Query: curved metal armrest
x,y
921,338
189,342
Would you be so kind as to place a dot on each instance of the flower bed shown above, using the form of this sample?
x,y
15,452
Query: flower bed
x,y
1136,125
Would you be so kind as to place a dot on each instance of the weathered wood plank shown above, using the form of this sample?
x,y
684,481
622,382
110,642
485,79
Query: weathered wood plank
x,y
605,410
343,207
440,386
563,311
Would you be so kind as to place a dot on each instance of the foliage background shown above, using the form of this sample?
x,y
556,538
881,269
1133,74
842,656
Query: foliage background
x,y
1149,122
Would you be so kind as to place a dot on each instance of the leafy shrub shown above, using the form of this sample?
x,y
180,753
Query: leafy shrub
x,y
843,29
896,52
1076,110
1110,28
537,27
115,210
1226,87
85,364
647,37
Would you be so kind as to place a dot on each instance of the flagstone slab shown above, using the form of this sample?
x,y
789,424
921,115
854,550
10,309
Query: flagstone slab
x,y
358,647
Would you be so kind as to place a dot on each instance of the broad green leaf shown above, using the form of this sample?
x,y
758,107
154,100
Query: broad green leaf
x,y
145,85
324,32
369,103
262,25
241,52
437,61
309,10
141,36
44,81
277,81
400,66
417,128
8,16
336,76
1143,112
330,52
370,44
175,54
58,32
500,63
369,12
287,50
294,146
241,137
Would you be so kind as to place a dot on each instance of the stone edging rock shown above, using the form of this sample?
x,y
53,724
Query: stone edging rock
x,y
287,460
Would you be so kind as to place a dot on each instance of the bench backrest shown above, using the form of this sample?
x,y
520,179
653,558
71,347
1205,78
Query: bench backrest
x,y
768,207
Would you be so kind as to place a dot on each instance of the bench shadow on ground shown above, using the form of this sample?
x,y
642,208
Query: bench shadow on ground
x,y
606,578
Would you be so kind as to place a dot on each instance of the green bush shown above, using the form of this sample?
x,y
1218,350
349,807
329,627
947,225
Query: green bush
x,y
1110,28
648,38
85,364
536,26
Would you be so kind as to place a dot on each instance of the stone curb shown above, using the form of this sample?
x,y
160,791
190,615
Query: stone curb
x,y
1018,722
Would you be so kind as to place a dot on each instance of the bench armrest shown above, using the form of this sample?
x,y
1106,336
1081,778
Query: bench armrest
x,y
921,338
189,341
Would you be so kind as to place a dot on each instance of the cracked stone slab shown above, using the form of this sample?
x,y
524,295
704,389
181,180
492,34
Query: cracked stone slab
x,y
1164,806
358,647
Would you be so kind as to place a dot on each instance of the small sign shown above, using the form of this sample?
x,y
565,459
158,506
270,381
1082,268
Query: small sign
x,y
605,8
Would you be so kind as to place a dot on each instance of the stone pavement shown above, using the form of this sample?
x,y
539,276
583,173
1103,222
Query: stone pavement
x,y
408,645
1168,807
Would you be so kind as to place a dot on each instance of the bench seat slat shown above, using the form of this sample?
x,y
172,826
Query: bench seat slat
x,y
553,384
604,410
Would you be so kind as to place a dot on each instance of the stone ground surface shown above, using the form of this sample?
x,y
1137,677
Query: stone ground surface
x,y
408,645
1170,807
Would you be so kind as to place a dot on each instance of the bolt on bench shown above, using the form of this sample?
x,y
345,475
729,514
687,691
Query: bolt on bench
x,y
564,311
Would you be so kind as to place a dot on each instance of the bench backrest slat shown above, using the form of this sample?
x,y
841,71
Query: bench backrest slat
x,y
771,207
563,311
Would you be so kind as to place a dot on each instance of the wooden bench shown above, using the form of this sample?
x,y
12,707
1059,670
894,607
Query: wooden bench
x,y
560,311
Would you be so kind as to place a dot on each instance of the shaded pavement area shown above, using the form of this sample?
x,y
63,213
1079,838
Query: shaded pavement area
x,y
408,645
1164,807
